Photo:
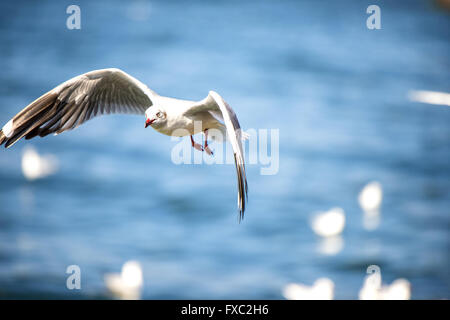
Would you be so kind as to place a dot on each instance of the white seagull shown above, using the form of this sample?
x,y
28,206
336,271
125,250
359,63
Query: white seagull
x,y
127,284
113,91
322,289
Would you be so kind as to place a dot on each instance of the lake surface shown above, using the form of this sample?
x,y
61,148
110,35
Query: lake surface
x,y
336,91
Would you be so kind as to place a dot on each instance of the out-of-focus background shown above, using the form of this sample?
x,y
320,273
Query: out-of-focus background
x,y
338,93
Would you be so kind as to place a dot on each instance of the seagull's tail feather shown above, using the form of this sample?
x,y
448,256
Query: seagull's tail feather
x,y
242,186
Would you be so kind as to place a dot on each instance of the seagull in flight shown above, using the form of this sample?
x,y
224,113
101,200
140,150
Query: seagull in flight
x,y
112,90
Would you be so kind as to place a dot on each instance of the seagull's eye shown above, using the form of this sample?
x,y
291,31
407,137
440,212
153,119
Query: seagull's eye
x,y
159,114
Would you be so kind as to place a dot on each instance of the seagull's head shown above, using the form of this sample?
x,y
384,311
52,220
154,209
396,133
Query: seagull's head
x,y
155,117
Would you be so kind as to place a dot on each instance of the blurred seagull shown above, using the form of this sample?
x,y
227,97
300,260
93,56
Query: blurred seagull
x,y
112,90
329,223
371,196
430,97
373,289
36,166
128,284
322,289
370,199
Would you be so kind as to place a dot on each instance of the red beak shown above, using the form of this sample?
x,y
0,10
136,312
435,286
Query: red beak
x,y
149,122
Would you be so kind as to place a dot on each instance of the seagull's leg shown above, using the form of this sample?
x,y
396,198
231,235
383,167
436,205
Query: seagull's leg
x,y
195,145
207,149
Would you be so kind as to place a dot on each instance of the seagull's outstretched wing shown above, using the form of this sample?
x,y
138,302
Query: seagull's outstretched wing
x,y
218,107
76,101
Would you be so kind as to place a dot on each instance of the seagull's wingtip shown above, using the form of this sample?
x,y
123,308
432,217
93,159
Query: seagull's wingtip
x,y
2,137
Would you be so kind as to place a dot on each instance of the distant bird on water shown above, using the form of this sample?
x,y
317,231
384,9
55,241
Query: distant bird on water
x,y
36,166
322,289
128,284
112,90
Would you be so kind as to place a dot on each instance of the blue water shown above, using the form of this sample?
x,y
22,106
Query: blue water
x,y
336,91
